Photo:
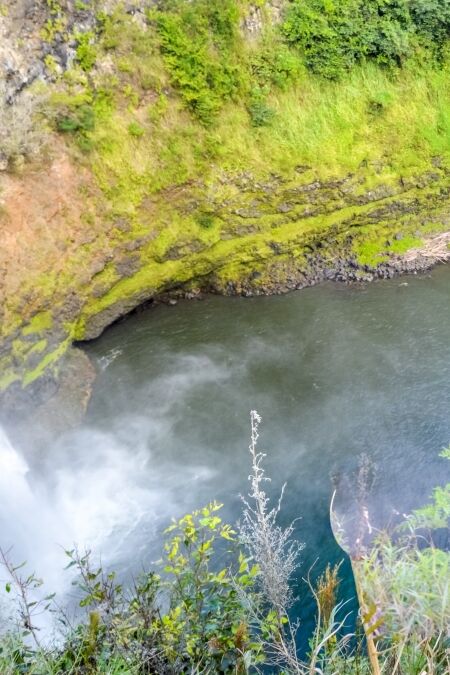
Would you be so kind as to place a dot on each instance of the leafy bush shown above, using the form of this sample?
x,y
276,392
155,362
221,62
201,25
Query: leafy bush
x,y
333,36
260,113
86,51
205,620
81,118
274,63
198,41
432,21
205,220
135,129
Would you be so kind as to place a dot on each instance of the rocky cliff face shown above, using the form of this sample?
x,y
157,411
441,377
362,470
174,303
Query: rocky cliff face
x,y
37,37
22,50
71,264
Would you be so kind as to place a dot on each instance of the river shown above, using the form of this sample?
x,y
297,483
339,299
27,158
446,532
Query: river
x,y
333,370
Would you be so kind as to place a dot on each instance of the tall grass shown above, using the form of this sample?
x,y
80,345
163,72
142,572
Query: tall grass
x,y
372,115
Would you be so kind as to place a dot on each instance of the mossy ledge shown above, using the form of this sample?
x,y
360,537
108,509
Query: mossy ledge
x,y
262,236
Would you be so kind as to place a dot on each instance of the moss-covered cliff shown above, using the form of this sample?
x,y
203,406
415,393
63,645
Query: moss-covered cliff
x,y
190,147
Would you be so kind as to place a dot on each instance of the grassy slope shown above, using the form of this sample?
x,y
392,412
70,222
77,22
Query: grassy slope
x,y
399,119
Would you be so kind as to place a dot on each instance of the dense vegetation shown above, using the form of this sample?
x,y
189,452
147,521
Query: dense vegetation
x,y
335,36
340,81
200,44
192,96
221,599
303,90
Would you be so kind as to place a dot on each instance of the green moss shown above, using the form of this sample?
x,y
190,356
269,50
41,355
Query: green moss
x,y
8,378
49,360
405,244
371,249
371,253
40,323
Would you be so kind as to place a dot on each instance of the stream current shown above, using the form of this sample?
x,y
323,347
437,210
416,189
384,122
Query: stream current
x,y
334,371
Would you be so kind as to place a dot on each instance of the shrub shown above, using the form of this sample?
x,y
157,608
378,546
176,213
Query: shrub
x,y
80,119
198,42
205,220
205,621
86,51
135,129
260,113
22,132
432,21
78,114
274,63
333,36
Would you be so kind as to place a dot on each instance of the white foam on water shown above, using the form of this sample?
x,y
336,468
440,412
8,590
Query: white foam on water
x,y
112,491
97,493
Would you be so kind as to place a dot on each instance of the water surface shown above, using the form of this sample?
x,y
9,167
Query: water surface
x,y
333,370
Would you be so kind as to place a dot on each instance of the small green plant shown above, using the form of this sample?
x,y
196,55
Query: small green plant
x,y
51,64
159,108
80,119
135,129
86,51
274,63
205,220
261,114
55,26
379,103
207,620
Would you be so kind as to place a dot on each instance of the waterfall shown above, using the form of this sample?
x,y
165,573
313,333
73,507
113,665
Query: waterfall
x,y
29,526
93,490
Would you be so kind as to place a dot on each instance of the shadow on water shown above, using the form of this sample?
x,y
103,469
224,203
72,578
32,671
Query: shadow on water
x,y
333,371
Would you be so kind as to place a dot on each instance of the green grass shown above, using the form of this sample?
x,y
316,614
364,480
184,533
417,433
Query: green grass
x,y
329,126
181,103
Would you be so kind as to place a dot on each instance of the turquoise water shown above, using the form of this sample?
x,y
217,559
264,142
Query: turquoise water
x,y
333,370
